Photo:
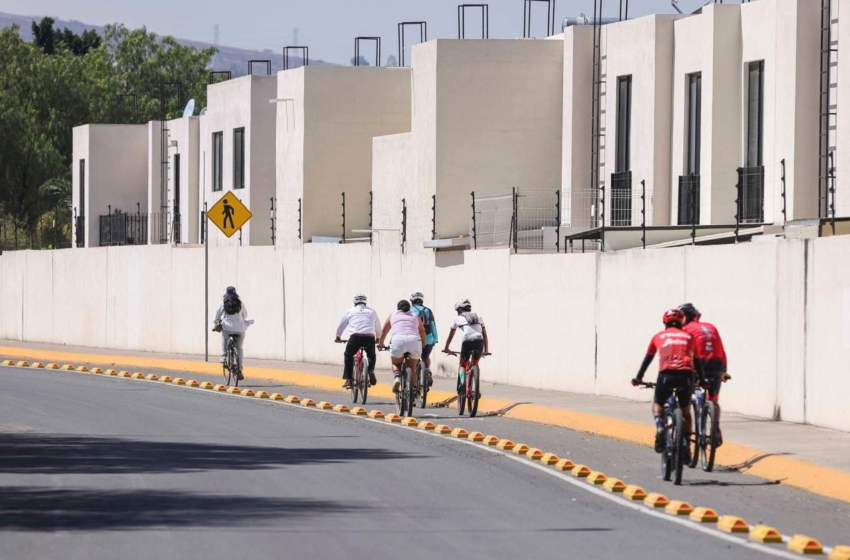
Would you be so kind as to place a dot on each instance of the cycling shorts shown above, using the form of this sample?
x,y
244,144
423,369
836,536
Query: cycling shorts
x,y
468,346
426,351
714,377
406,343
681,380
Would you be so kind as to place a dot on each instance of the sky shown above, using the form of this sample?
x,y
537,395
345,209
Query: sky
x,y
328,27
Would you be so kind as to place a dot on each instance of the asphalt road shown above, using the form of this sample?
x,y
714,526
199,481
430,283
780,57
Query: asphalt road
x,y
95,467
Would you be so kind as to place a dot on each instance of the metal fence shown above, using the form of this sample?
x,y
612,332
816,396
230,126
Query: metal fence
x,y
621,199
524,219
492,219
123,229
625,205
689,200
80,231
159,226
751,194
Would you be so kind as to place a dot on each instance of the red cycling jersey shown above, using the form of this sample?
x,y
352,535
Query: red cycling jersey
x,y
709,344
676,350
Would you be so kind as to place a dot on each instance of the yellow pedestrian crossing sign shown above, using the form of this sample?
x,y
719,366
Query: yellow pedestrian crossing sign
x,y
229,214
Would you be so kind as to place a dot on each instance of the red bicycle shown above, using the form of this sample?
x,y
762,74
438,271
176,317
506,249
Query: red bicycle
x,y
470,378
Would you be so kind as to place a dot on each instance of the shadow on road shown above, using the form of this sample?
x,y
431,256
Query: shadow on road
x,y
43,509
46,454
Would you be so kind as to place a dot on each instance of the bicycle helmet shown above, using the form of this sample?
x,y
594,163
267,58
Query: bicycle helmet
x,y
690,311
673,316
417,298
359,298
463,305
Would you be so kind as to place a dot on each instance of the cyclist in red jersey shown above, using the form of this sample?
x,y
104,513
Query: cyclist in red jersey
x,y
678,360
710,346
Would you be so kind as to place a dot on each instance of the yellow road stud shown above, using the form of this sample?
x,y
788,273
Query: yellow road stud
x,y
247,393
460,433
534,454
565,465
52,366
37,365
678,507
634,492
732,524
206,385
111,372
442,429
151,377
656,500
8,363
840,553
138,376
427,426
410,421
549,459
704,515
358,411
220,388
120,373
341,408
261,395
491,440
292,399
23,364
165,379
597,477
178,381
275,397
67,367
392,418
233,390
520,448
505,444
324,405
801,544
308,402
377,414
475,436
193,383
614,485
581,471
82,368
765,534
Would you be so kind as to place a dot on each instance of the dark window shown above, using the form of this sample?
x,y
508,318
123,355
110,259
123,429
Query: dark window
x,y
81,230
176,235
694,124
624,123
239,158
218,140
755,113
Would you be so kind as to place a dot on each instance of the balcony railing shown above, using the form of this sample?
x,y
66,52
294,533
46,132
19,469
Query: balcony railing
x,y
621,199
751,194
688,200
123,229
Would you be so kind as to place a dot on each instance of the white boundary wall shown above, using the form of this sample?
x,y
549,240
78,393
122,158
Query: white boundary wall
x,y
576,323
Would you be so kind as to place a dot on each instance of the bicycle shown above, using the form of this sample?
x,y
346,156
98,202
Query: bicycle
x,y
706,428
231,368
406,395
360,379
470,377
422,377
673,457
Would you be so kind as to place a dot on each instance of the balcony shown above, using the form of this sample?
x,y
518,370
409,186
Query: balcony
x,y
751,195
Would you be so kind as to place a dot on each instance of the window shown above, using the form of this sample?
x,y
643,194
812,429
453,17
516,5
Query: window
x,y
624,123
218,140
755,113
239,158
81,217
694,130
176,226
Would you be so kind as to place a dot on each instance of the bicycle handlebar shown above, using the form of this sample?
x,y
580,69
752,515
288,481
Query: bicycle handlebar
x,y
645,385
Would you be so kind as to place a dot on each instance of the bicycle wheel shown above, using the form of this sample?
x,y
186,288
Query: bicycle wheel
x,y
710,431
355,382
408,390
698,437
666,457
461,398
423,385
678,446
364,379
474,385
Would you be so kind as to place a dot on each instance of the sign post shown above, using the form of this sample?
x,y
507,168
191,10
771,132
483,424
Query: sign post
x,y
206,229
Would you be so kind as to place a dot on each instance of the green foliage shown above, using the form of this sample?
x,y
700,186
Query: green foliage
x,y
49,40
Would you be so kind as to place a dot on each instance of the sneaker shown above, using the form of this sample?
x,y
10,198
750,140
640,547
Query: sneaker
x,y
240,377
686,454
660,440
430,378
372,379
347,384
223,360
719,437
396,384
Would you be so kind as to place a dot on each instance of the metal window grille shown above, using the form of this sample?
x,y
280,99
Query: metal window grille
x,y
751,197
621,198
123,229
689,200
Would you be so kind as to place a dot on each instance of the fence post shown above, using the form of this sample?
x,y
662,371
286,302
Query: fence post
x,y
474,225
240,237
693,209
433,216
558,221
784,200
403,224
371,195
643,212
343,216
738,202
74,240
299,218
272,215
516,216
832,190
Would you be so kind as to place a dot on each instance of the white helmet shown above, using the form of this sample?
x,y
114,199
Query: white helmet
x,y
417,297
359,298
462,304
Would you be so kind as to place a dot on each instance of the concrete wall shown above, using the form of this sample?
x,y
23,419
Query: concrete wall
x,y
186,132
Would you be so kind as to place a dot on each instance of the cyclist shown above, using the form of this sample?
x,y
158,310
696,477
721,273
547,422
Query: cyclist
x,y
231,318
407,335
425,315
710,347
473,335
678,359
363,327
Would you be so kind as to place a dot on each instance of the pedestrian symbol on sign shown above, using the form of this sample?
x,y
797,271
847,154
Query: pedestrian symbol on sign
x,y
229,214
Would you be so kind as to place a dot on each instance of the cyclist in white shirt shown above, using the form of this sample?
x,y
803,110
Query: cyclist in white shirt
x,y
363,328
473,333
231,319
407,335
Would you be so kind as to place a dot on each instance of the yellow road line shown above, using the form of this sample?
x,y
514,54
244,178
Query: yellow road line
x,y
825,481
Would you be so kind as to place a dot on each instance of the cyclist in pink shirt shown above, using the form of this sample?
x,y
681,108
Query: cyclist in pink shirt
x,y
407,336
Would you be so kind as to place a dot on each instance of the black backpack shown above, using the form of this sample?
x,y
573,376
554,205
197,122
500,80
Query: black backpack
x,y
232,306
426,318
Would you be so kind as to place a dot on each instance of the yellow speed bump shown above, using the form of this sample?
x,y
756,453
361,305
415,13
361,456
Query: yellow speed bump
x,y
491,440
193,383
276,397
97,370
765,534
534,454
597,477
410,421
427,426
634,492
377,414
580,471
37,365
233,390
138,376
656,500
111,372
261,395
677,507
614,485
206,385
82,368
324,405
549,459
704,515
840,553
732,524
505,444
308,403
23,364
178,381
565,465
520,448
52,366
120,373
475,436
152,377
341,408
443,429
165,379
801,544
247,393
392,418
220,388
67,367
358,411
292,399
460,433
8,363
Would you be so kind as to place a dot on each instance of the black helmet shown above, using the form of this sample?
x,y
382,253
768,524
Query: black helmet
x,y
689,310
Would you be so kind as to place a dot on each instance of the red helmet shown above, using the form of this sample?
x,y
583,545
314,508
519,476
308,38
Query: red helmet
x,y
673,316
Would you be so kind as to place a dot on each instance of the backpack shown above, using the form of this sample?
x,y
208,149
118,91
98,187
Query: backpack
x,y
426,318
471,318
232,306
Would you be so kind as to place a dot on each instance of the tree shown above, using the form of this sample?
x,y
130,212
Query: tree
x,y
50,40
